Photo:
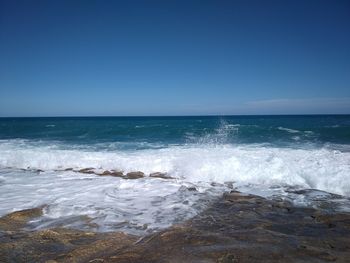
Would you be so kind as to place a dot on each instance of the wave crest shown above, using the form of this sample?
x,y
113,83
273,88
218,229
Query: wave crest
x,y
321,168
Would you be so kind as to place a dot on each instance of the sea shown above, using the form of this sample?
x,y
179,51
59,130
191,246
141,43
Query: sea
x,y
304,160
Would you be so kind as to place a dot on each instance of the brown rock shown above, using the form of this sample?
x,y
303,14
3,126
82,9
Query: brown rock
x,y
87,170
18,219
112,173
236,228
61,245
134,175
160,175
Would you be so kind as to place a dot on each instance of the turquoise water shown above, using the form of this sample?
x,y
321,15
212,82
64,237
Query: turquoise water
x,y
143,132
304,159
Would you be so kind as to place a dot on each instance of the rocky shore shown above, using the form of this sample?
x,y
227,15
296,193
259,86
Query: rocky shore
x,y
236,228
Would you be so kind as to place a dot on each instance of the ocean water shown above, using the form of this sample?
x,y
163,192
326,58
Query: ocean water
x,y
303,159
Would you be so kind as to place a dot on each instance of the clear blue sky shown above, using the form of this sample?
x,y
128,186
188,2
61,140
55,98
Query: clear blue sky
x,y
64,58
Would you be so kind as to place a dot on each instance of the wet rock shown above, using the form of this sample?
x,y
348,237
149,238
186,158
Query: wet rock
x,y
87,170
134,175
247,228
112,173
62,245
19,219
236,228
228,258
160,175
35,170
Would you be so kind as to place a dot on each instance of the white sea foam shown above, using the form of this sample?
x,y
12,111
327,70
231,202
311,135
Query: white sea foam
x,y
309,132
101,203
321,168
288,130
296,138
146,204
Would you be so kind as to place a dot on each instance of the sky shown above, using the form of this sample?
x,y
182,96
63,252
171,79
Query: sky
x,y
120,58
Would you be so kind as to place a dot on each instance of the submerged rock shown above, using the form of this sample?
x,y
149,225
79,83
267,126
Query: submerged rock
x,y
236,228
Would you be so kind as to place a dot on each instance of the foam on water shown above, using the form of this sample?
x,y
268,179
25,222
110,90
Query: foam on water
x,y
320,168
288,130
101,203
147,204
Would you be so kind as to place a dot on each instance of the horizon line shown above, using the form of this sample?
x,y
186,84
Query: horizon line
x,y
160,116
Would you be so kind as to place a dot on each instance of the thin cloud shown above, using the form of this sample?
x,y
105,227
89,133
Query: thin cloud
x,y
310,105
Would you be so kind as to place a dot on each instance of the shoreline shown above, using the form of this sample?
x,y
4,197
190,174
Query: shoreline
x,y
236,228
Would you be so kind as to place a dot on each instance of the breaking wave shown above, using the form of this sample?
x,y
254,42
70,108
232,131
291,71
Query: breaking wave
x,y
319,168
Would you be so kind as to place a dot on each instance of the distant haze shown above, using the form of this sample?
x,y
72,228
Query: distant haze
x,y
80,58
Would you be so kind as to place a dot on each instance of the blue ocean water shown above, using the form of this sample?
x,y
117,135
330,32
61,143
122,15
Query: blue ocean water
x,y
143,132
272,156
